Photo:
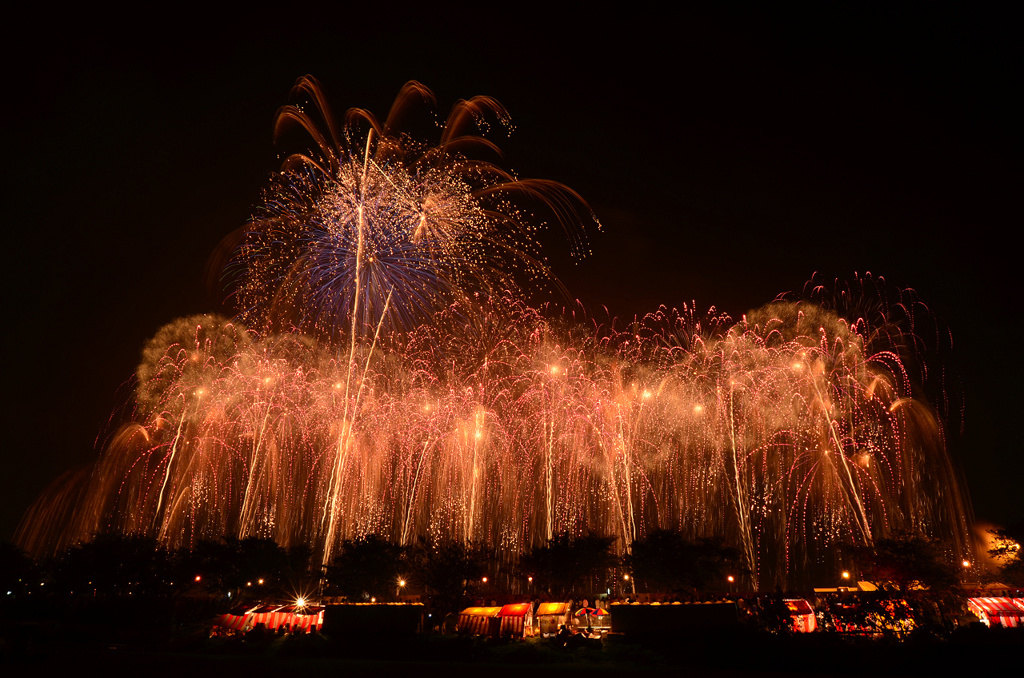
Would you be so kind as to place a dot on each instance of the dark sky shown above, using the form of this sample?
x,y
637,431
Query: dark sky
x,y
728,156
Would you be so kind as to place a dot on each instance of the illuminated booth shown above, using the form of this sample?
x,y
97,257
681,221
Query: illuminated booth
x,y
594,618
293,619
479,621
1006,612
515,620
800,610
550,616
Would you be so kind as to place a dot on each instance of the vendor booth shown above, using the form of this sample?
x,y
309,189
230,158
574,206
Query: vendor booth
x,y
479,621
550,616
1006,612
800,610
288,618
515,620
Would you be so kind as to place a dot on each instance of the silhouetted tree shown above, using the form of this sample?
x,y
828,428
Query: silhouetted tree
x,y
1006,549
250,568
906,561
16,569
449,571
366,567
569,565
116,565
666,561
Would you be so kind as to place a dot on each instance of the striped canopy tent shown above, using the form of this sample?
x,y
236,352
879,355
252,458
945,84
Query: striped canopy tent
x,y
515,619
238,619
273,617
477,621
1007,612
800,610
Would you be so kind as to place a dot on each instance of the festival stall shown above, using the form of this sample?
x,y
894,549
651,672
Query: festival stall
x,y
515,620
479,621
274,617
550,616
1006,612
800,610
594,618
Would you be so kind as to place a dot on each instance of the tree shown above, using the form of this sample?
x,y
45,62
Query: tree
x,y
907,561
666,561
114,564
569,565
251,568
367,567
16,569
448,570
1006,549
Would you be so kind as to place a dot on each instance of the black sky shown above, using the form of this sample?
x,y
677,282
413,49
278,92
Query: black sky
x,y
729,157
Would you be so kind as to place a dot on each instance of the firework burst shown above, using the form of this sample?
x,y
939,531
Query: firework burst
x,y
460,411
372,228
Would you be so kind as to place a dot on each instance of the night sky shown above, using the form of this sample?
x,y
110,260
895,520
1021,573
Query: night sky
x,y
728,157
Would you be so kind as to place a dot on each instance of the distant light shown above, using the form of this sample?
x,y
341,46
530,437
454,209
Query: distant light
x,y
300,602
846,575
731,578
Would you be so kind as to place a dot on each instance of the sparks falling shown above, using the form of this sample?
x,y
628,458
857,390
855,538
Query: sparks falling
x,y
385,375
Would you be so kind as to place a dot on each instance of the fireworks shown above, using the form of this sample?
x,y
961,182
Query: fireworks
x,y
375,229
786,432
452,410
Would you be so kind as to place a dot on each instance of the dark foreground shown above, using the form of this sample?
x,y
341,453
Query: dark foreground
x,y
54,651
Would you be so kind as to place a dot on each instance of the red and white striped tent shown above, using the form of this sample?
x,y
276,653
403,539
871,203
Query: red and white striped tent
x,y
515,618
476,621
238,619
304,619
1008,612
800,610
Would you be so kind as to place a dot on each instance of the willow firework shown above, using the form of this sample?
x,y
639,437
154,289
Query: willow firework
x,y
413,400
376,229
